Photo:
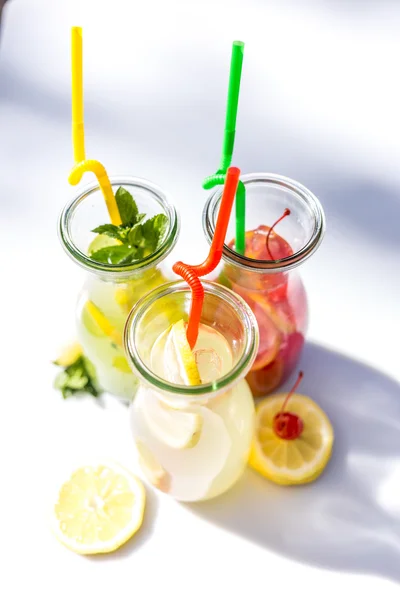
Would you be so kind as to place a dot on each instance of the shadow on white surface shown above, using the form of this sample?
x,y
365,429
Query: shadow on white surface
x,y
366,206
141,537
350,518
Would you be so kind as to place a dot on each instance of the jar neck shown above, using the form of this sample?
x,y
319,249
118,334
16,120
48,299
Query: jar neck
x,y
222,310
307,222
238,278
77,222
124,277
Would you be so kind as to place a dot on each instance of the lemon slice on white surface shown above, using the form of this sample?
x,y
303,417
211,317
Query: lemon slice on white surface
x,y
99,508
69,355
297,461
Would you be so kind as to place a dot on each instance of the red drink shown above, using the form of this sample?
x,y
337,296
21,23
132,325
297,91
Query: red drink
x,y
279,303
266,274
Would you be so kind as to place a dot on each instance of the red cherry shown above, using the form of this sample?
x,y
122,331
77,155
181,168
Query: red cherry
x,y
264,243
289,426
277,246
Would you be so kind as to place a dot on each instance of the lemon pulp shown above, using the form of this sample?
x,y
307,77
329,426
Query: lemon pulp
x,y
98,509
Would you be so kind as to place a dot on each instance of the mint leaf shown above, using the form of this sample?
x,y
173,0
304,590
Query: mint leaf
x,y
127,207
79,377
113,231
154,230
115,255
138,238
135,235
89,367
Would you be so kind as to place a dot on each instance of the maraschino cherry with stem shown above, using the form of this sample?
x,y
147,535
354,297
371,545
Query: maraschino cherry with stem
x,y
286,213
288,425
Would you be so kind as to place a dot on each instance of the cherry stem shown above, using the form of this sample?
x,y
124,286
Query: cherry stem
x,y
286,213
290,394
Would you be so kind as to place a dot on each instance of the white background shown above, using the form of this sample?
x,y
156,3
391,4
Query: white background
x,y
320,103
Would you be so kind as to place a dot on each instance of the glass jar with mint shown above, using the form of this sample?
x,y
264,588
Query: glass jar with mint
x,y
123,263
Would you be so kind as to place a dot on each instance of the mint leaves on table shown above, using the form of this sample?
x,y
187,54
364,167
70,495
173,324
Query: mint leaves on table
x,y
78,377
136,236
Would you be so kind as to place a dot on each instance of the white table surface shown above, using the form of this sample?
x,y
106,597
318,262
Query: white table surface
x,y
320,103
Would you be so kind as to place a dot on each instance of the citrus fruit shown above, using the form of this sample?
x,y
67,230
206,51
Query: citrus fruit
x,y
101,241
98,324
291,461
69,355
179,358
154,472
120,363
98,508
175,428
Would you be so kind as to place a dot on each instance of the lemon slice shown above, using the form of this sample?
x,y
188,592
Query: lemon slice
x,y
120,363
297,461
154,472
100,321
101,241
98,509
180,358
69,355
124,299
173,427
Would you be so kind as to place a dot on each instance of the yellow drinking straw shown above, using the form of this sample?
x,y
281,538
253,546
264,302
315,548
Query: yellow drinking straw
x,y
78,133
78,130
97,168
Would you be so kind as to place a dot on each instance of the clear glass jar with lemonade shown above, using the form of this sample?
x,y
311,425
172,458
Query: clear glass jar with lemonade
x,y
122,263
193,415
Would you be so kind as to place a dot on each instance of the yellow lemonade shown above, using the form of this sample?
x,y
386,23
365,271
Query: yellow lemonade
x,y
193,449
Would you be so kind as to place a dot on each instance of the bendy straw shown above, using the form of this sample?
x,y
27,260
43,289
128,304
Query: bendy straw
x,y
190,273
78,132
228,144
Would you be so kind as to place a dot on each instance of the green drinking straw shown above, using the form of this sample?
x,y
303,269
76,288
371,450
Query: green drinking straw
x,y
228,144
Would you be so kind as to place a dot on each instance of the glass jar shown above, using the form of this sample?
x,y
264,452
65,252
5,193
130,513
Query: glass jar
x,y
266,277
218,451
110,291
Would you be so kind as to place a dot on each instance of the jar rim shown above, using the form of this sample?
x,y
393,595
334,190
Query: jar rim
x,y
281,264
161,252
242,366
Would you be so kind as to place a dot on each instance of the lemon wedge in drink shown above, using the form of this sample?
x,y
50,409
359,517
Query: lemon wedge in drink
x,y
176,428
98,509
101,241
300,459
120,363
185,358
97,323
178,358
154,472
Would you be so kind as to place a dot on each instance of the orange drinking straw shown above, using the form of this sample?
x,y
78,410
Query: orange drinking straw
x,y
190,273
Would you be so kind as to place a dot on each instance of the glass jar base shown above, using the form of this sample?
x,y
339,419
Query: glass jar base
x,y
269,378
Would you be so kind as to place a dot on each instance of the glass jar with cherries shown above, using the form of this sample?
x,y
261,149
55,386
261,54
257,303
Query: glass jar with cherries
x,y
285,224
